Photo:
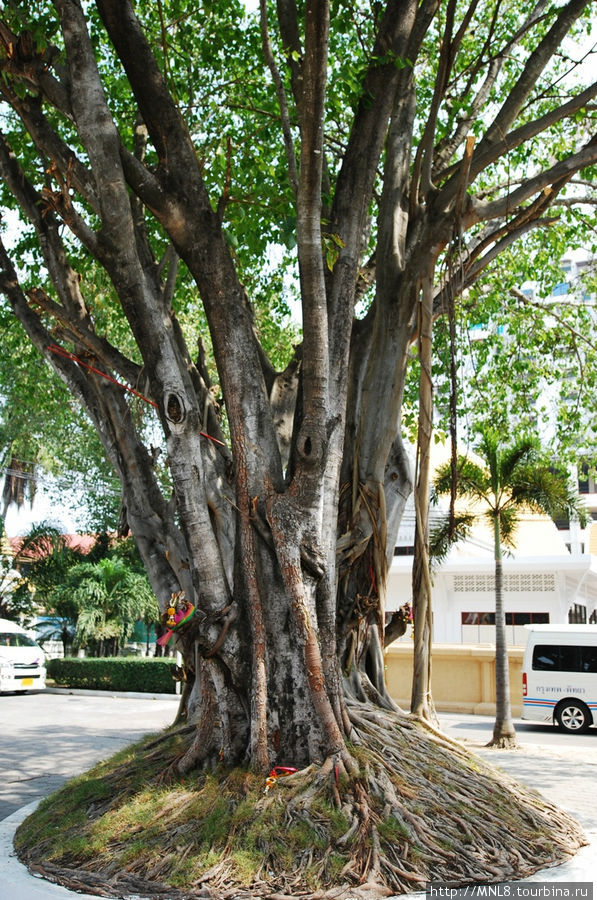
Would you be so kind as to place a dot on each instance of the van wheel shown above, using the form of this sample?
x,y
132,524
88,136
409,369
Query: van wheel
x,y
573,716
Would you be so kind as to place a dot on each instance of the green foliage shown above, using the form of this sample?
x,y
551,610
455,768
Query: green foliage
x,y
114,674
446,533
216,75
109,598
16,602
232,115
509,479
525,360
101,595
45,560
43,428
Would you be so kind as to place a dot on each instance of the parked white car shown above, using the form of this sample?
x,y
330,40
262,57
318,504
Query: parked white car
x,y
22,661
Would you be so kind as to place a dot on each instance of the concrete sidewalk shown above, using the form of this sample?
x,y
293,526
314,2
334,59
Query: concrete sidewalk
x,y
16,883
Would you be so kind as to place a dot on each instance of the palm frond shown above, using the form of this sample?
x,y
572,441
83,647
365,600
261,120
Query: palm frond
x,y
508,522
471,479
524,452
488,448
543,488
517,476
445,534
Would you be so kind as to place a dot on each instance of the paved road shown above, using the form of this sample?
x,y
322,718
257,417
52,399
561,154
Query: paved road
x,y
47,738
478,730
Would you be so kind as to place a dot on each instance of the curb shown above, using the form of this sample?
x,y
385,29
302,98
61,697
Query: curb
x,y
17,881
129,695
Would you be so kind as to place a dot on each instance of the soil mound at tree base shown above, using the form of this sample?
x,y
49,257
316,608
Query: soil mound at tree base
x,y
416,808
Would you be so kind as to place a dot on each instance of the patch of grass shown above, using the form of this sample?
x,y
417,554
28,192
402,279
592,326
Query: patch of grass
x,y
301,836
65,810
264,831
134,851
393,831
215,825
334,864
243,814
182,872
246,865
446,843
361,754
335,818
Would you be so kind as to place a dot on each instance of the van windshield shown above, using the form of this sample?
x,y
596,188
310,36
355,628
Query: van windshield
x,y
15,639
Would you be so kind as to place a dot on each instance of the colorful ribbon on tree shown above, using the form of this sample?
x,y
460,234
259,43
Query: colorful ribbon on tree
x,y
278,772
178,614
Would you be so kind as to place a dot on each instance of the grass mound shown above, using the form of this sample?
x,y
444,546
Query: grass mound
x,y
417,808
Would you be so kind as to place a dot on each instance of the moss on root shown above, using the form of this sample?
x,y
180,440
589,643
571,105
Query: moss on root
x,y
416,808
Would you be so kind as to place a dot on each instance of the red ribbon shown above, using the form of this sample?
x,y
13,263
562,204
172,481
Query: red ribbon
x,y
60,351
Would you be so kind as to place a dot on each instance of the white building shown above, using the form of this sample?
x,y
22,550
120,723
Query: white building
x,y
550,577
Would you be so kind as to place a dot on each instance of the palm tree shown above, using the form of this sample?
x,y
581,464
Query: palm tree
x,y
44,559
513,478
110,597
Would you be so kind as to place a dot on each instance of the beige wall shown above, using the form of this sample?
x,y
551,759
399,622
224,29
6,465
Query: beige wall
x,y
462,677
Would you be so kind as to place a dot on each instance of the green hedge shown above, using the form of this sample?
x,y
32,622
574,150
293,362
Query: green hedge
x,y
148,676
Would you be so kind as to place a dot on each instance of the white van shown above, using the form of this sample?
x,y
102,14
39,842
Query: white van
x,y
22,661
559,676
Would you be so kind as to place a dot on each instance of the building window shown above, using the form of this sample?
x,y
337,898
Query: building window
x,y
560,289
577,615
477,618
586,481
404,551
512,618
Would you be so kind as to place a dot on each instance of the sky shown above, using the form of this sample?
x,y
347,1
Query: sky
x,y
19,522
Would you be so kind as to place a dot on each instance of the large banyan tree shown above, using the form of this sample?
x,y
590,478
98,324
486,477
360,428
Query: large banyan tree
x,y
159,157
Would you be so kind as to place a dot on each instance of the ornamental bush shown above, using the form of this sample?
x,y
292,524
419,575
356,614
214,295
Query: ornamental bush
x,y
114,674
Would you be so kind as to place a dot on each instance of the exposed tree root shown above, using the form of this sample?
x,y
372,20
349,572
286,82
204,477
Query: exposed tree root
x,y
406,807
505,742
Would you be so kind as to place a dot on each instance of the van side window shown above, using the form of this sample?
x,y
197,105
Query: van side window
x,y
563,658
546,658
589,659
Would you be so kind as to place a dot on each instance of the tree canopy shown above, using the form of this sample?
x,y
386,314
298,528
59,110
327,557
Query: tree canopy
x,y
182,173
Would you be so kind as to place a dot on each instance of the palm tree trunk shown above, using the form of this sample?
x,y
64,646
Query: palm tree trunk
x,y
421,700
503,730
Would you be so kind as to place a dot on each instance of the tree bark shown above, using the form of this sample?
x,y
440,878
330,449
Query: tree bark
x,y
277,510
504,734
421,700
